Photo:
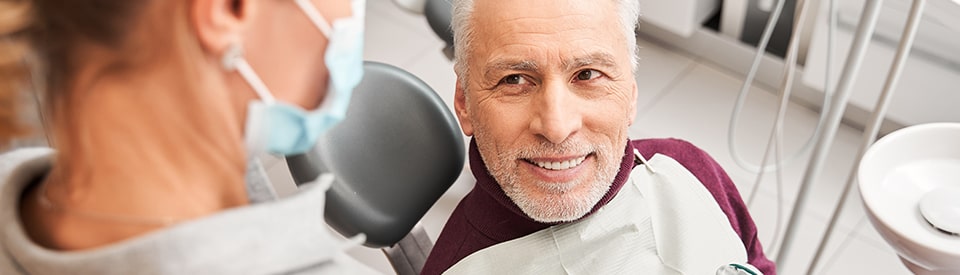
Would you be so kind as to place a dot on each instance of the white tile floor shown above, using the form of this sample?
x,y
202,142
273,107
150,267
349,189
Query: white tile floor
x,y
679,97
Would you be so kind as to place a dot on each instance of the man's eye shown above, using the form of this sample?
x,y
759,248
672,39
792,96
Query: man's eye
x,y
588,74
513,79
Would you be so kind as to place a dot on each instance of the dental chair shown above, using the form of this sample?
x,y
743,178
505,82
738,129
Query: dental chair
x,y
398,150
439,14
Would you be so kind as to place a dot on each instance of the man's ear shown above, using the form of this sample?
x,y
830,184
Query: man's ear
x,y
218,23
460,108
632,111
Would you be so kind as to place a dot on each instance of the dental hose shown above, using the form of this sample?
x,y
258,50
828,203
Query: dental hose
x,y
775,141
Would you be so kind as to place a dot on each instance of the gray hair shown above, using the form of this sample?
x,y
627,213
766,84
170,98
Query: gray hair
x,y
463,32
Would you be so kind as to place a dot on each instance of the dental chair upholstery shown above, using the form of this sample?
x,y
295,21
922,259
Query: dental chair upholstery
x,y
439,15
398,150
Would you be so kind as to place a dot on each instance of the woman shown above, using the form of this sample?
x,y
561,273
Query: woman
x,y
155,107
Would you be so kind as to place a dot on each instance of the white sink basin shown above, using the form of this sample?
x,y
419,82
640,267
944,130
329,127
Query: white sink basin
x,y
914,166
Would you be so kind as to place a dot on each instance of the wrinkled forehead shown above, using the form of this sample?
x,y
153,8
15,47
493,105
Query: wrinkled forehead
x,y
552,31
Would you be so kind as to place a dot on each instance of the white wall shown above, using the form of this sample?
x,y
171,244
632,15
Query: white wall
x,y
929,89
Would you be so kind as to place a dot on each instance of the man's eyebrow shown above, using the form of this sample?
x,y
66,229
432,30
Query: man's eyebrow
x,y
510,65
601,59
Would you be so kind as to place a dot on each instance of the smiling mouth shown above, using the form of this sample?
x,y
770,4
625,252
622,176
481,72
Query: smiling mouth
x,y
558,165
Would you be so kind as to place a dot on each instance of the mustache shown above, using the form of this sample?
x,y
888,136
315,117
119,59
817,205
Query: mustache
x,y
569,147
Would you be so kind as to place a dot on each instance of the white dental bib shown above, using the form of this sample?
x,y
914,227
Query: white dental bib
x,y
662,222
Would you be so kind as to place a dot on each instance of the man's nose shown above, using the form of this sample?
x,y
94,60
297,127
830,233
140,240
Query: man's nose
x,y
557,115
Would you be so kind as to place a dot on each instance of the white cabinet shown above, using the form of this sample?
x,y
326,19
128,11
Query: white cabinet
x,y
681,17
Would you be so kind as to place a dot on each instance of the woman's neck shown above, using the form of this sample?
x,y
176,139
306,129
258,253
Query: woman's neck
x,y
138,148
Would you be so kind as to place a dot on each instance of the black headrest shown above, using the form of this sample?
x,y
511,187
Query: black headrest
x,y
398,150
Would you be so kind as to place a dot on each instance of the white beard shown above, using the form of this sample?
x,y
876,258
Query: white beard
x,y
562,202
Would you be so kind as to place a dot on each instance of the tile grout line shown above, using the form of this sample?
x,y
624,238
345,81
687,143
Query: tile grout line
x,y
846,242
683,74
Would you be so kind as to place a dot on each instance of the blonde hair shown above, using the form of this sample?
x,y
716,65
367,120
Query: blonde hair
x,y
15,18
39,40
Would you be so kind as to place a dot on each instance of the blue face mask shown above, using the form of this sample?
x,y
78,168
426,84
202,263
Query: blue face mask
x,y
285,129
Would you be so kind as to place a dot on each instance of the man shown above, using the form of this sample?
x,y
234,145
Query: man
x,y
546,89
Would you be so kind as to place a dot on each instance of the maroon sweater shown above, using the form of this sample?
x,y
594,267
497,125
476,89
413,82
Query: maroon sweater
x,y
486,216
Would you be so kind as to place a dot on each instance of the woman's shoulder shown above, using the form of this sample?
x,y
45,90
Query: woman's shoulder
x,y
18,168
23,161
21,155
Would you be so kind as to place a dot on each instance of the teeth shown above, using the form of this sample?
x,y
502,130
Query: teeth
x,y
561,165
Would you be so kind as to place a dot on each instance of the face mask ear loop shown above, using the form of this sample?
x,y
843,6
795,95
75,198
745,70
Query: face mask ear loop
x,y
315,16
233,61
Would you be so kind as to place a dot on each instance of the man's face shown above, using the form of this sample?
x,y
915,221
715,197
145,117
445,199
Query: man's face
x,y
549,97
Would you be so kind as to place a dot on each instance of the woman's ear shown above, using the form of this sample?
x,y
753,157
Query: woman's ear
x,y
219,23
